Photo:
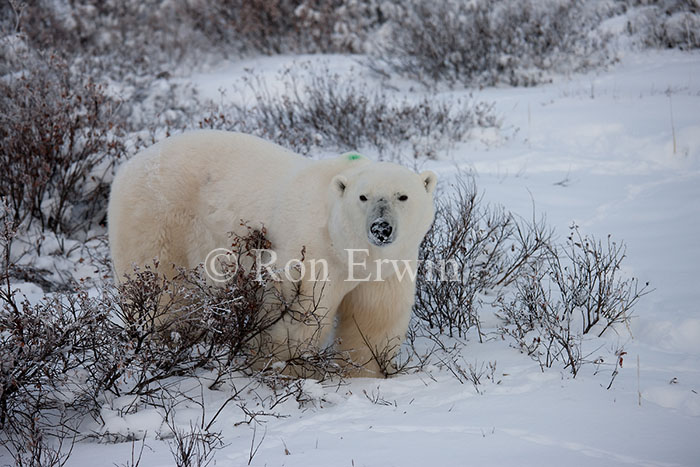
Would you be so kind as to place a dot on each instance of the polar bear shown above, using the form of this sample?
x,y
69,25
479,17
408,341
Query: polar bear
x,y
363,221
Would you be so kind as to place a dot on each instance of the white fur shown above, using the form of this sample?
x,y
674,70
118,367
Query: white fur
x,y
180,198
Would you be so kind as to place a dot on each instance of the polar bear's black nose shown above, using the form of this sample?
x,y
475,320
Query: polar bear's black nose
x,y
381,232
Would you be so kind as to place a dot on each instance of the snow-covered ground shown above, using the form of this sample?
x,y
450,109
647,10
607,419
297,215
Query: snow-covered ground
x,y
615,151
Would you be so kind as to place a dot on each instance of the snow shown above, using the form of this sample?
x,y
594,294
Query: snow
x,y
596,149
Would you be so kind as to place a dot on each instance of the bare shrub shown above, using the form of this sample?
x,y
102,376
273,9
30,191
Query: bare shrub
x,y
63,357
194,448
42,351
666,24
328,111
135,459
151,34
59,137
488,42
385,356
578,291
475,374
253,446
30,446
471,250
427,348
44,348
541,328
549,298
154,35
172,327
289,26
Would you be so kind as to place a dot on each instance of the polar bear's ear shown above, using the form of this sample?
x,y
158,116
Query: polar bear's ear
x,y
429,180
339,182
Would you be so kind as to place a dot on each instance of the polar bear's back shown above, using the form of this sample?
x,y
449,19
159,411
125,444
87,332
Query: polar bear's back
x,y
225,152
167,199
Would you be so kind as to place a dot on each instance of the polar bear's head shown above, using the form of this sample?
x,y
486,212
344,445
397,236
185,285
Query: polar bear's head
x,y
382,207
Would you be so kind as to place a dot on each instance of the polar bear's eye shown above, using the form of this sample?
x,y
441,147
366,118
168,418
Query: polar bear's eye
x,y
363,198
403,198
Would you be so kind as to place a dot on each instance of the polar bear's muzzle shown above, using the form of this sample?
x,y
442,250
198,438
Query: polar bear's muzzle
x,y
381,232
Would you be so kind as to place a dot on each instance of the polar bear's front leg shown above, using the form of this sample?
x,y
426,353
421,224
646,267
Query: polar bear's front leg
x,y
372,324
303,324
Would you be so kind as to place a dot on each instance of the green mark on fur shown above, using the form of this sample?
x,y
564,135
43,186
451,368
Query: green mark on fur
x,y
354,156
